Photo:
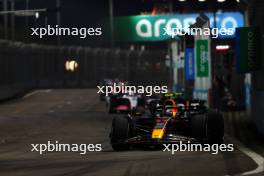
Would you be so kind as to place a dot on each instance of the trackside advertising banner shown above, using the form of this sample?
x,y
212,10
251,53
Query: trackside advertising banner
x,y
248,46
189,64
153,28
202,57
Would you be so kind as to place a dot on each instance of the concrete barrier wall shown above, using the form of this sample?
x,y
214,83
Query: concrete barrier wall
x,y
13,91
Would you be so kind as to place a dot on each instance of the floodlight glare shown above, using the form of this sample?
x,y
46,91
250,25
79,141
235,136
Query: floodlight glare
x,y
37,15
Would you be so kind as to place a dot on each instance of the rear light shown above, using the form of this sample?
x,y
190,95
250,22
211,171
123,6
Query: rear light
x,y
123,107
174,110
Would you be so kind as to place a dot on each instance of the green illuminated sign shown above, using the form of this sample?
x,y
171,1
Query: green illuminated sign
x,y
202,55
144,28
248,44
160,27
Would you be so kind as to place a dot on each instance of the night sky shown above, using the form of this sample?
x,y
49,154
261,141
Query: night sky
x,y
83,12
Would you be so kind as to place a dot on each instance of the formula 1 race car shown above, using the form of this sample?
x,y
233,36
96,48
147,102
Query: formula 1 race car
x,y
172,120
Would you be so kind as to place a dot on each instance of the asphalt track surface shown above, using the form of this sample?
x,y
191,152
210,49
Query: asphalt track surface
x,y
77,116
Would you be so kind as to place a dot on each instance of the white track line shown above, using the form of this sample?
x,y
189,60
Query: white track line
x,y
36,92
258,159
30,94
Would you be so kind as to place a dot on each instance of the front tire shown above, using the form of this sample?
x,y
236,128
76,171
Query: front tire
x,y
198,126
215,127
119,133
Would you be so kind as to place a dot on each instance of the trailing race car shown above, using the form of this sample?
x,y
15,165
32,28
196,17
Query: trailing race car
x,y
173,119
119,105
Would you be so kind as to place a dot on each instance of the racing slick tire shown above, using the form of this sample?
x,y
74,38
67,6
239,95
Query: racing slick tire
x,y
198,126
119,132
214,127
208,127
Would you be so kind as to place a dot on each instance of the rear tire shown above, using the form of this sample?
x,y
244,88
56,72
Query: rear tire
x,y
215,127
120,132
